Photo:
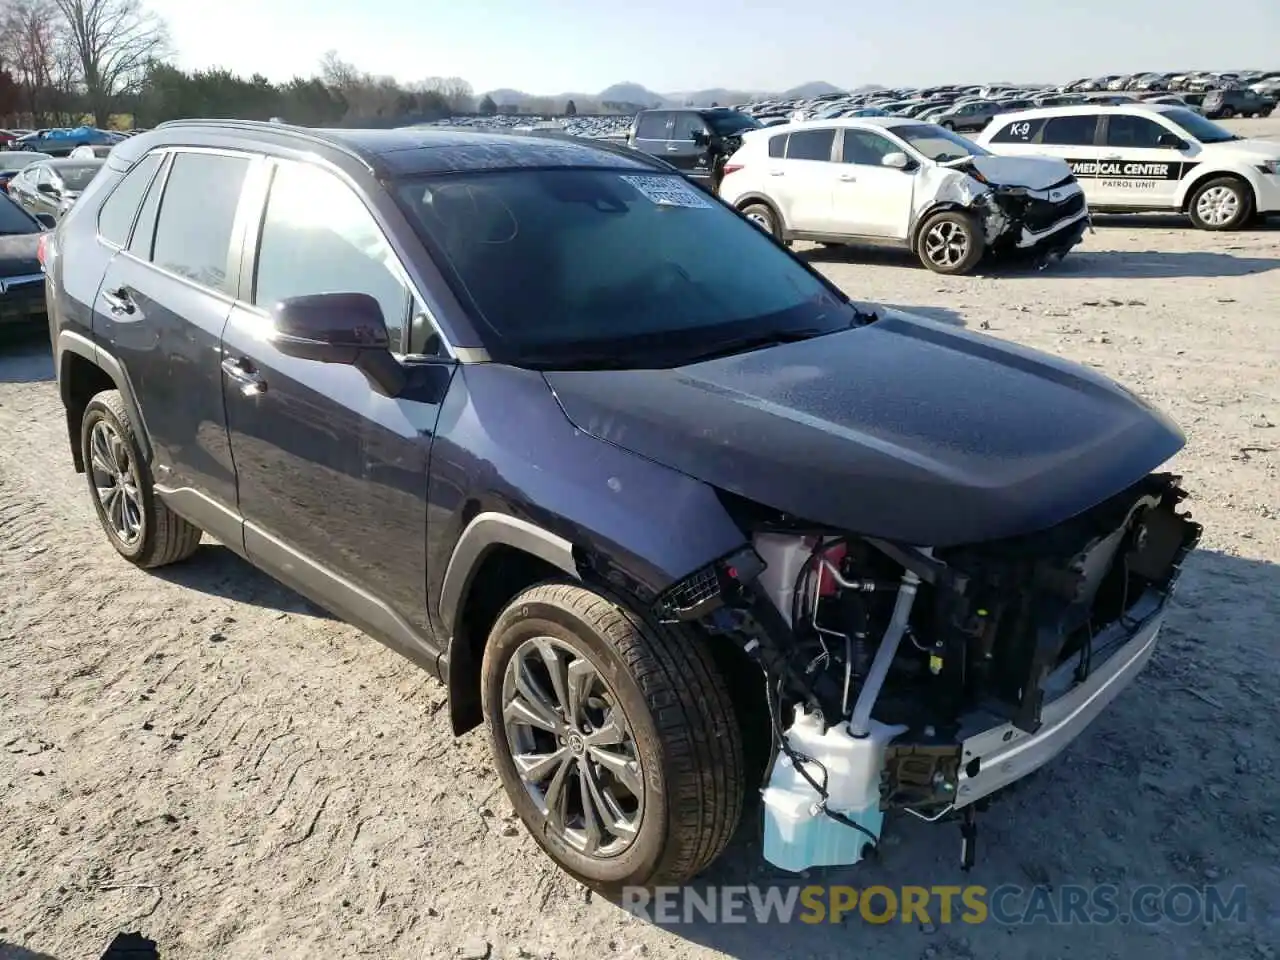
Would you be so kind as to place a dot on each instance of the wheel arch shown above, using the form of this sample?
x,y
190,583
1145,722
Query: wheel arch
x,y
85,370
1199,177
747,199
496,557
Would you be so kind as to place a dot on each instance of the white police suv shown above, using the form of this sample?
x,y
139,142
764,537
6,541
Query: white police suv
x,y
1139,157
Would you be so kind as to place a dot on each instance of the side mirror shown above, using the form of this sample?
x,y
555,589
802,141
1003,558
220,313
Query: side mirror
x,y
701,137
1172,140
47,220
897,160
346,328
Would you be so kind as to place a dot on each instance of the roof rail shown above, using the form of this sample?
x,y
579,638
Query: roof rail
x,y
272,126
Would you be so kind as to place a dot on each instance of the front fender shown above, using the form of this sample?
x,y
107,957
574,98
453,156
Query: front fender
x,y
1237,169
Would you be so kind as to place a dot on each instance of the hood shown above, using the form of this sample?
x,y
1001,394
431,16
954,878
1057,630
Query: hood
x,y
903,429
1262,149
1034,173
18,255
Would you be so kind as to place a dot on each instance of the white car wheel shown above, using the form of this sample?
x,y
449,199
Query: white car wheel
x,y
1221,204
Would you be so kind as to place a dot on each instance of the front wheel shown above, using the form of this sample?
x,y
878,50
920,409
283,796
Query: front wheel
x,y
1222,203
951,243
615,737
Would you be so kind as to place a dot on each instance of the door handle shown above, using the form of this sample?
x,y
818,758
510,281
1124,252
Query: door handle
x,y
250,381
119,301
777,173
672,148
848,177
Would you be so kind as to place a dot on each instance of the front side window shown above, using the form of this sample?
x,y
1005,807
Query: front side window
x,y
115,219
811,144
197,213
1077,130
610,267
687,125
318,237
1126,130
867,148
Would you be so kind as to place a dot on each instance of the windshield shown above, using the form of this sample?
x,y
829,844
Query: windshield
x,y
937,143
612,268
77,177
1206,131
728,124
14,220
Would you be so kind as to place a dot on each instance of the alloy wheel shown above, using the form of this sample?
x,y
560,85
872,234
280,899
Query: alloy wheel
x,y
946,243
761,221
573,747
1218,205
115,481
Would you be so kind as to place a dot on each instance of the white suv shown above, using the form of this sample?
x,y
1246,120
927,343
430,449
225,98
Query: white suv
x,y
1142,157
901,181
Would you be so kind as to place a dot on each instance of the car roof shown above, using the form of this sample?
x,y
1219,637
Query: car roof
x,y
884,123
1077,109
397,152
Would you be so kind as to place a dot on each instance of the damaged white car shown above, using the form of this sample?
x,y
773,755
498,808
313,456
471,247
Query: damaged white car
x,y
899,181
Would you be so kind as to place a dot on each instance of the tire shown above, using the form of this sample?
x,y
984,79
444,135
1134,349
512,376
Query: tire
x,y
679,756
144,530
948,125
955,256
762,215
1227,113
1221,203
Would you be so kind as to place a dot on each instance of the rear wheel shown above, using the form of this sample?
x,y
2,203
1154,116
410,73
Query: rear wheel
x,y
1228,113
950,243
615,737
762,216
137,522
1221,203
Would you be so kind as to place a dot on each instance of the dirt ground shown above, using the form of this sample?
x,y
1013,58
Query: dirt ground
x,y
201,755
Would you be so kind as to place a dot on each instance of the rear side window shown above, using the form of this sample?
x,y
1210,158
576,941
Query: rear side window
x,y
1072,131
1019,131
318,237
1125,130
778,146
653,126
687,124
811,144
115,219
197,213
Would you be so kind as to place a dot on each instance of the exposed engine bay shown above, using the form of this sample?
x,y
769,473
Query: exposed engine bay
x,y
882,661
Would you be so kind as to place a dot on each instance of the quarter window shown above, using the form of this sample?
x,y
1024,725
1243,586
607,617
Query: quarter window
x,y
144,231
115,219
1076,130
1019,131
197,213
811,144
318,237
778,146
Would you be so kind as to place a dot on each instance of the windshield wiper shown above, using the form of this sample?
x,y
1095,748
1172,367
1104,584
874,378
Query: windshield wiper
x,y
727,348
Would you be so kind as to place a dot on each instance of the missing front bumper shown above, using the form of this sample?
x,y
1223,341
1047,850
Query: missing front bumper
x,y
999,755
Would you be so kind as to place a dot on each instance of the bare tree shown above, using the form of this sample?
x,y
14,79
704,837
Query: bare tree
x,y
30,42
455,91
114,42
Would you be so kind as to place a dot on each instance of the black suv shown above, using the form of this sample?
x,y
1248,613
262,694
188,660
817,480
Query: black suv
x,y
1237,102
631,479
695,142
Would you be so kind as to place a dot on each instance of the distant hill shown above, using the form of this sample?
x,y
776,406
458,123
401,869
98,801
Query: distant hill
x,y
717,95
814,88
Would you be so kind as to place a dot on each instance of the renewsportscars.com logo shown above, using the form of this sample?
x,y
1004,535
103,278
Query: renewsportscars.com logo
x,y
1008,904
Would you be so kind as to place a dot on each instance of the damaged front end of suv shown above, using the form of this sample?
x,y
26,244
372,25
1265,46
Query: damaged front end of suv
x,y
957,552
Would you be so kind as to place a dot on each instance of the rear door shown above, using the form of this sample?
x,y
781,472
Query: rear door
x,y
161,308
332,475
868,198
802,184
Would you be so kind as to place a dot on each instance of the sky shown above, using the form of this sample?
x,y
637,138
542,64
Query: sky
x,y
557,46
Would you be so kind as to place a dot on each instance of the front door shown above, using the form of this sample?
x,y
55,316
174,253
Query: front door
x,y
870,199
689,150
332,475
162,306
1137,170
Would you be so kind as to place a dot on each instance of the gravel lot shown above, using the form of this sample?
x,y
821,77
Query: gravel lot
x,y
202,755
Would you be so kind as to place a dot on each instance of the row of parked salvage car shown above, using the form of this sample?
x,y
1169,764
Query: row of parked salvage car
x,y
1026,184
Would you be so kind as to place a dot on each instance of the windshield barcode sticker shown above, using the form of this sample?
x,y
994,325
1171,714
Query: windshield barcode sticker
x,y
668,191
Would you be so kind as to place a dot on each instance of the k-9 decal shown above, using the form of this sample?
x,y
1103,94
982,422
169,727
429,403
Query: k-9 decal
x,y
1132,169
